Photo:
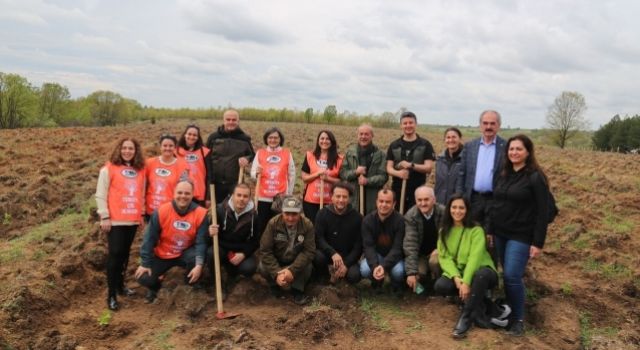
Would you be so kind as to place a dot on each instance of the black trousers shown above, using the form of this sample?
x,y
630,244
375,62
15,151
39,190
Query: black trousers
x,y
246,268
477,305
159,266
119,240
223,190
321,264
264,215
311,210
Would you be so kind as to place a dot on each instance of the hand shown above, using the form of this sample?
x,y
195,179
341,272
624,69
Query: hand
x,y
105,225
141,225
195,274
243,162
361,170
213,230
207,204
412,282
337,260
258,170
378,273
362,181
341,271
534,251
403,174
404,165
141,271
321,173
464,291
237,259
284,277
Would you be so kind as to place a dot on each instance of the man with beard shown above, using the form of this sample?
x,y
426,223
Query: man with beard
x,y
364,165
338,238
231,150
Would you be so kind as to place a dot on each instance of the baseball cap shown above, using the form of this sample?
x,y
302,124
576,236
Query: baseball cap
x,y
291,204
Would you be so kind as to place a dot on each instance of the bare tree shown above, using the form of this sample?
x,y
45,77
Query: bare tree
x,y
566,116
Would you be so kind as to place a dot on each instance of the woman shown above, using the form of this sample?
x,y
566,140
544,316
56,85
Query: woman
x,y
163,174
467,268
447,165
320,166
274,167
193,152
519,218
120,201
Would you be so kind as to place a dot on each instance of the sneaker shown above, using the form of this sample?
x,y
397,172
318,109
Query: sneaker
x,y
499,323
300,298
516,329
506,311
150,297
112,303
127,292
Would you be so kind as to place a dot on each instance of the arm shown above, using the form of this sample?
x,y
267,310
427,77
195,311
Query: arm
x,y
348,170
448,266
424,168
377,175
541,194
391,170
267,257
201,241
320,228
151,236
462,169
102,192
369,245
254,168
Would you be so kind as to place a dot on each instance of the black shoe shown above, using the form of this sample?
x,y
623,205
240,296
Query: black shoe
x,y
300,298
127,292
516,329
276,292
112,302
150,297
483,322
462,326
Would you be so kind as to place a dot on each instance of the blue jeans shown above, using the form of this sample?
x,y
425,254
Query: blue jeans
x,y
396,274
513,256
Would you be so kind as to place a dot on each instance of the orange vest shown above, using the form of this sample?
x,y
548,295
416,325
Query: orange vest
x,y
177,232
197,169
161,181
275,172
126,191
312,193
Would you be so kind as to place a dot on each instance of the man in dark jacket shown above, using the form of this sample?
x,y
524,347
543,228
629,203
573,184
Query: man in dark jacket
x,y
338,238
382,237
422,223
176,236
287,248
231,150
239,235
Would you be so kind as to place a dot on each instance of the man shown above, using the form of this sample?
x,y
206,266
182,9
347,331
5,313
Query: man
x,y
382,237
338,238
409,158
364,165
287,248
176,236
480,164
239,235
231,150
422,223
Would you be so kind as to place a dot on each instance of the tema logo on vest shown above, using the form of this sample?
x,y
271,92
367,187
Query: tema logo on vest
x,y
163,172
273,159
191,158
181,225
130,173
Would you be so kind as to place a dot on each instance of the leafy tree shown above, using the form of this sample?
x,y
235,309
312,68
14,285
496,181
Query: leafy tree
x,y
566,116
17,102
54,101
619,134
109,108
308,115
330,113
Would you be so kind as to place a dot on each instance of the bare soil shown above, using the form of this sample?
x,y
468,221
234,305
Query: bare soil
x,y
583,292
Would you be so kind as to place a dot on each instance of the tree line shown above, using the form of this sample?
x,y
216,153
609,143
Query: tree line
x,y
24,105
619,135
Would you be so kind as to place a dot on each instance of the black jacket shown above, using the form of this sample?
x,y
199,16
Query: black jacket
x,y
384,238
339,233
238,235
226,148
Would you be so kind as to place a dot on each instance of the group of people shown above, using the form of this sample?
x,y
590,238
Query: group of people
x,y
488,208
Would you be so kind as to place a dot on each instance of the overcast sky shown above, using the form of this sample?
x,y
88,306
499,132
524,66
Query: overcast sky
x,y
445,60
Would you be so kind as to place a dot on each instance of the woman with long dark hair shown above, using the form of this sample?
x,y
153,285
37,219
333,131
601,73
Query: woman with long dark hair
x,y
193,151
448,165
467,268
120,201
519,219
273,166
321,166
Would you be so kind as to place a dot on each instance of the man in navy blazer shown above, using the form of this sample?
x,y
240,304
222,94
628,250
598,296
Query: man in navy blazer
x,y
481,163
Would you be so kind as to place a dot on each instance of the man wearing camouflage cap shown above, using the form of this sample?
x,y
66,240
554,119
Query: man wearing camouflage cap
x,y
287,248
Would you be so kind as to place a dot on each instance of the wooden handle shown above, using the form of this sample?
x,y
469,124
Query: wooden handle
x,y
216,250
402,195
240,175
321,193
256,190
361,200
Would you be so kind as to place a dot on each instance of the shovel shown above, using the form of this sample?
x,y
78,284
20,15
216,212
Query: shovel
x,y
256,189
361,199
321,193
221,314
402,195
241,175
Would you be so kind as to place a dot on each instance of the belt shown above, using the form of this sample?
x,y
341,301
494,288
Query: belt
x,y
482,194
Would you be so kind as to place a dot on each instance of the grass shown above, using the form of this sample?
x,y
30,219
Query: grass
x,y
371,308
162,338
617,224
105,318
612,271
566,289
588,330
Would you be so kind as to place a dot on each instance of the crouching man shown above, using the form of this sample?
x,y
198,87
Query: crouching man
x,y
176,236
287,248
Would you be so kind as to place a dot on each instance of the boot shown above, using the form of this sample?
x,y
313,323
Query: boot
x,y
463,325
112,303
127,292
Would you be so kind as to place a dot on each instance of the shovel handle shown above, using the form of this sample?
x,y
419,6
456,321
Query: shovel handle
x,y
402,195
216,251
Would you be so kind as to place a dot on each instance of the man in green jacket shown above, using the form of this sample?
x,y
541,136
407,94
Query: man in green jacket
x,y
287,249
364,165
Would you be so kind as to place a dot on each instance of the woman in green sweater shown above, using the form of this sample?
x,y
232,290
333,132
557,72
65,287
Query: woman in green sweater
x,y
467,268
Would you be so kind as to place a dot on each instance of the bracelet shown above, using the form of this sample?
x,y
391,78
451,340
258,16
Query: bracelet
x,y
107,218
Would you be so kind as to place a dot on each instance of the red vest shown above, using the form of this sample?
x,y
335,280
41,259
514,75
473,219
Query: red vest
x,y
312,193
197,169
161,181
177,232
275,172
126,192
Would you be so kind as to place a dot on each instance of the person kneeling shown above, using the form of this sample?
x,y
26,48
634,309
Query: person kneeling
x,y
176,236
287,248
467,267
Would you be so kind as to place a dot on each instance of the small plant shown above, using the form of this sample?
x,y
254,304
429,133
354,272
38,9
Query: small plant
x,y
566,289
586,332
105,318
6,219
370,309
416,327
